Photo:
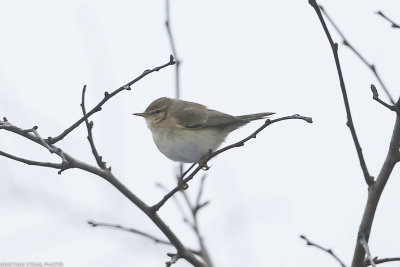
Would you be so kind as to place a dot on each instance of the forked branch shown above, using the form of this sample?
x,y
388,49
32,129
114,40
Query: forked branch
x,y
371,66
368,178
107,96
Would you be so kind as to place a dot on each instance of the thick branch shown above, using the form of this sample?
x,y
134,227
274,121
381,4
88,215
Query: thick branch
x,y
355,51
89,127
368,179
203,162
394,25
375,192
327,250
107,96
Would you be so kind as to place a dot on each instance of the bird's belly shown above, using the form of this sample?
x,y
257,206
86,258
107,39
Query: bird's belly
x,y
188,145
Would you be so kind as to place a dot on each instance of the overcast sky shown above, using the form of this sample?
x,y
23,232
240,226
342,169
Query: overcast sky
x,y
238,57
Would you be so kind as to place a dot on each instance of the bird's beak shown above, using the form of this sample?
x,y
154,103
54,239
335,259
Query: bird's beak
x,y
140,114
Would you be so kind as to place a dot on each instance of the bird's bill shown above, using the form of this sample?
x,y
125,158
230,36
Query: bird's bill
x,y
140,114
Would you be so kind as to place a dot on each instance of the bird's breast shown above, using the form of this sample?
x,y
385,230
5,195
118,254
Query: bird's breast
x,y
187,145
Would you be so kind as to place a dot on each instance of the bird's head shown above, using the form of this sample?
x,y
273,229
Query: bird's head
x,y
156,112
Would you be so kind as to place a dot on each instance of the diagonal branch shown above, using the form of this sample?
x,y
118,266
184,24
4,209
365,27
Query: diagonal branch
x,y
368,179
107,96
203,162
327,250
138,232
394,25
355,51
89,127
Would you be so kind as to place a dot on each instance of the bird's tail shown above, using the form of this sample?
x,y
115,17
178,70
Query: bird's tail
x,y
257,116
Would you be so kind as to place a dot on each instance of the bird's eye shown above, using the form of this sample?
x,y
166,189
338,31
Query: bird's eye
x,y
157,111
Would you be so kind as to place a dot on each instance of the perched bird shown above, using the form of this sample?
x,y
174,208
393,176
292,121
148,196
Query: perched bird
x,y
185,131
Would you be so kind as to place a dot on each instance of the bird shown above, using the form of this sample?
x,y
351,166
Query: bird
x,y
186,131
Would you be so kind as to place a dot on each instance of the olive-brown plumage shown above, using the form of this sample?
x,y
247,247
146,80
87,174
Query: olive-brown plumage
x,y
185,131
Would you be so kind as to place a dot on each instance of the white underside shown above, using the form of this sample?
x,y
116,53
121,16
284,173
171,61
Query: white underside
x,y
187,145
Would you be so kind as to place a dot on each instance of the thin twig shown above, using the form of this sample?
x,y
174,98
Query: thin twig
x,y
379,261
203,162
107,96
327,250
197,206
176,200
33,135
368,178
355,51
375,96
135,231
173,49
394,25
364,243
32,162
89,127
205,255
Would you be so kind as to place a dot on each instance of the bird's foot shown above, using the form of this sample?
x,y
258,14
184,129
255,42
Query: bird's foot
x,y
203,161
182,184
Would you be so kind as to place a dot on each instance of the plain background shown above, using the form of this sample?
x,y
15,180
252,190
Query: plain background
x,y
238,57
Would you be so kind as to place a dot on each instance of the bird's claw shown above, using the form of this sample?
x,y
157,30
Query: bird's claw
x,y
182,184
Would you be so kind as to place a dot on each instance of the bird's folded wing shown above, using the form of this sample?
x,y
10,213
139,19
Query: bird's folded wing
x,y
204,118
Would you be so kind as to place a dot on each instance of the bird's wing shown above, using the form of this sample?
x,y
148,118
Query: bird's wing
x,y
190,117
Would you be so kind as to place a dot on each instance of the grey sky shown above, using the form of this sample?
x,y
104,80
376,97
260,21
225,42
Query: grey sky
x,y
238,57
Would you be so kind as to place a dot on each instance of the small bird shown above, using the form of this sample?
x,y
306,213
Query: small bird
x,y
186,131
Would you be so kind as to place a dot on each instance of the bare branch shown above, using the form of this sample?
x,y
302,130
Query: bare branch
x,y
33,135
32,162
375,96
327,250
89,127
394,25
71,162
355,51
176,200
138,232
173,49
368,179
203,162
383,260
107,96
364,243
375,192
198,205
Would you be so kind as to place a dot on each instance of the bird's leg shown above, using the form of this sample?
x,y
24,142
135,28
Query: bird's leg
x,y
203,161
